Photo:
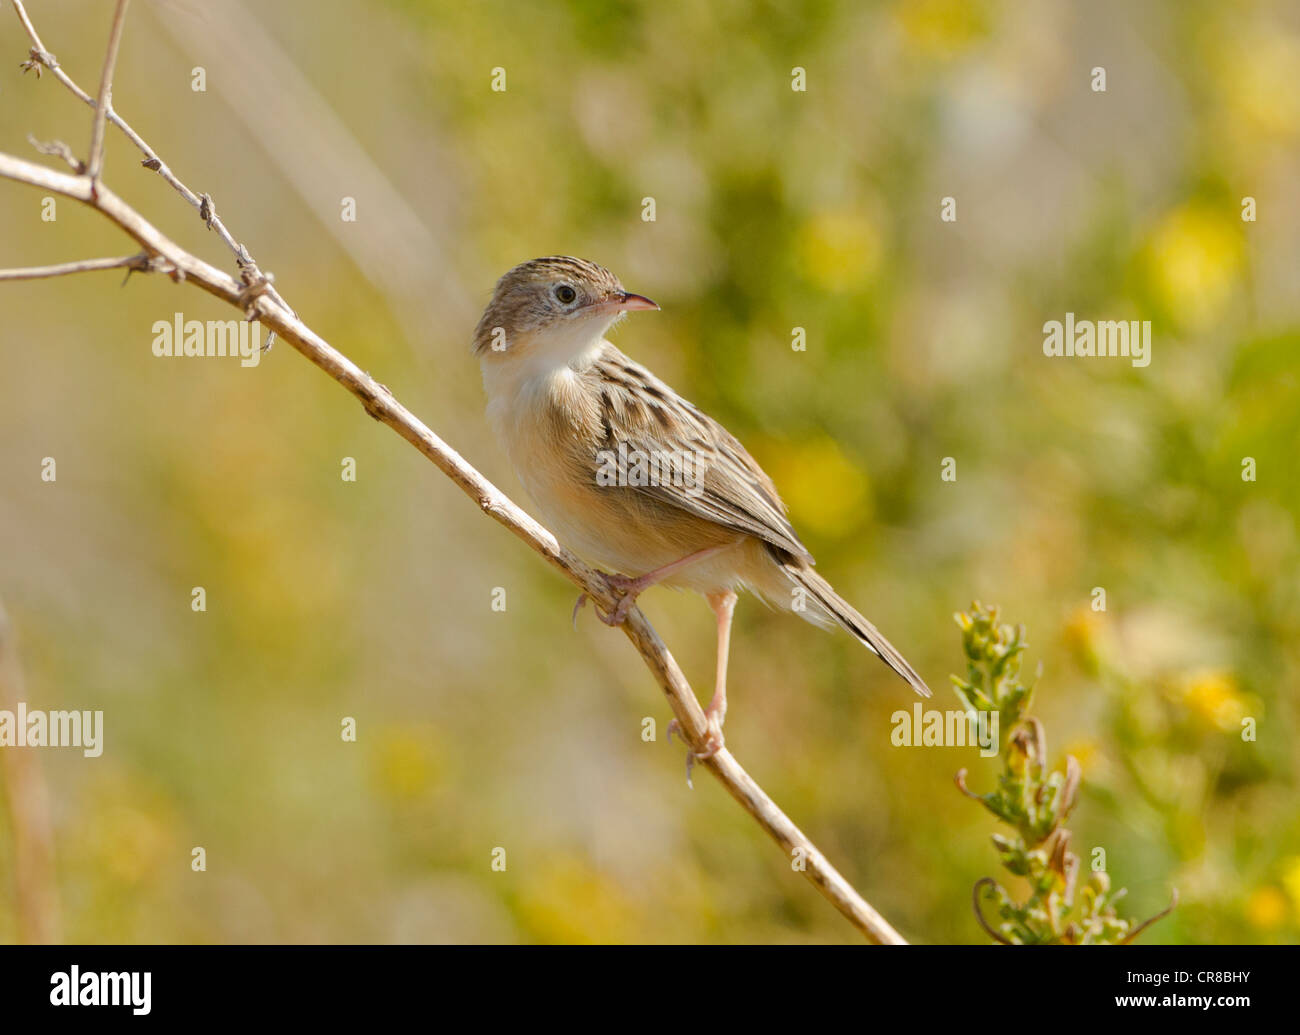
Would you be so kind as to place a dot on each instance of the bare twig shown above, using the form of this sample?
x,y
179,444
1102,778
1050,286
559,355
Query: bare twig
x,y
253,294
40,58
24,790
139,261
95,164
58,149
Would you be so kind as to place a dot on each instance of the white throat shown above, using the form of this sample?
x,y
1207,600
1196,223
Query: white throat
x,y
557,351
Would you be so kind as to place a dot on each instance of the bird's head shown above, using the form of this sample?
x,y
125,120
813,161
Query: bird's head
x,y
555,306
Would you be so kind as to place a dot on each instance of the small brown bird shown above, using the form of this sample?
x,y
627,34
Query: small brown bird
x,y
633,477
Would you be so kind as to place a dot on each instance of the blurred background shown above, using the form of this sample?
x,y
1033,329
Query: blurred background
x,y
774,209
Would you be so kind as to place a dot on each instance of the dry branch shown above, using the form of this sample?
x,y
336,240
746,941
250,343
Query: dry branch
x,y
39,58
105,100
29,813
253,295
138,261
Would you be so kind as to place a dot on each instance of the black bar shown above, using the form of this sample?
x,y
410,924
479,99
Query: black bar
x,y
665,985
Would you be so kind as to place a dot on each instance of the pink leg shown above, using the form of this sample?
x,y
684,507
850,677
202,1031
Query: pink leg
x,y
723,604
628,589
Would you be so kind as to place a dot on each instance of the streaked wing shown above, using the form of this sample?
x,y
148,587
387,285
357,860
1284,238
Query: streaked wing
x,y
638,409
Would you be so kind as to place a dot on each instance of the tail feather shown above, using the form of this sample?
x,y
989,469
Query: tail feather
x,y
844,615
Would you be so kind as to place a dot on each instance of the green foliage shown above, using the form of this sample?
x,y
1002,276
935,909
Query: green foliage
x,y
1035,802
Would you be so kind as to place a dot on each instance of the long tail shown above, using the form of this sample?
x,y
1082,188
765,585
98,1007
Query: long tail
x,y
842,612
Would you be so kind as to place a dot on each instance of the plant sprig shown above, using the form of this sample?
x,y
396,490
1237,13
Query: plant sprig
x,y
1035,802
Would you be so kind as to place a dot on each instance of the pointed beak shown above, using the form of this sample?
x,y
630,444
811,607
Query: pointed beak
x,y
624,303
631,302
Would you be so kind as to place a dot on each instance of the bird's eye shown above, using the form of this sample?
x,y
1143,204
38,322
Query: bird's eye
x,y
565,293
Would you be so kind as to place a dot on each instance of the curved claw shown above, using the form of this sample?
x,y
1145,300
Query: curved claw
x,y
582,599
714,743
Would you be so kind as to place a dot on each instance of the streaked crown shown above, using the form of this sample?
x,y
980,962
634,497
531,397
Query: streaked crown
x,y
539,294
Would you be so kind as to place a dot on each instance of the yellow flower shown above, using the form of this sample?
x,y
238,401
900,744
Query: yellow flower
x,y
840,249
941,28
1291,880
1081,634
1213,696
569,903
405,763
1086,752
823,489
1266,908
1194,259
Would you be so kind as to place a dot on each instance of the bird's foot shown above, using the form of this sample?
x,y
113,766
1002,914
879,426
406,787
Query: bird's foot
x,y
624,589
714,741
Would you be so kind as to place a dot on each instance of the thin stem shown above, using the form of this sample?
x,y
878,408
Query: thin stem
x,y
139,261
25,794
41,58
96,162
